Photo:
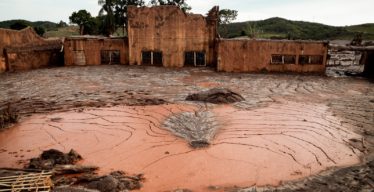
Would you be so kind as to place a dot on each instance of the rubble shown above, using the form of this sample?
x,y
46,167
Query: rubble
x,y
7,117
52,157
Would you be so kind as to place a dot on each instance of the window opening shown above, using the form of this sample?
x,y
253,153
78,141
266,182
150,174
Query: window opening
x,y
189,58
79,58
157,58
147,57
195,58
152,58
311,59
200,59
110,57
283,59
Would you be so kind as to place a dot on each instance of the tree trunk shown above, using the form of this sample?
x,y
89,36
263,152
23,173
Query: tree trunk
x,y
65,169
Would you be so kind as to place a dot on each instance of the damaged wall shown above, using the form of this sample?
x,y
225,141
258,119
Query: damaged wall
x,y
19,39
169,30
368,60
343,58
90,49
251,55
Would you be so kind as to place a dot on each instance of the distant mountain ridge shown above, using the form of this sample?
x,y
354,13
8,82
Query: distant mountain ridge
x,y
7,24
279,27
273,28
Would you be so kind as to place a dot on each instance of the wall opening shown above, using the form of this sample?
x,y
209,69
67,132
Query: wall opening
x,y
152,58
283,59
79,58
110,57
311,59
195,58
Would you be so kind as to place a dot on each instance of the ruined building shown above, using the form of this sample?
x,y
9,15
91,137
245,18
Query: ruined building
x,y
164,36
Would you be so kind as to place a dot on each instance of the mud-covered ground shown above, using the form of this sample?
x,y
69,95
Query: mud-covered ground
x,y
341,110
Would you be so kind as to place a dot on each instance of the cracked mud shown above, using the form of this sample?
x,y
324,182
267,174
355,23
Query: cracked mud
x,y
288,127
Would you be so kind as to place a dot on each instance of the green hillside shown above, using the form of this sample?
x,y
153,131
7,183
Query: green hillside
x,y
276,28
44,24
282,28
366,28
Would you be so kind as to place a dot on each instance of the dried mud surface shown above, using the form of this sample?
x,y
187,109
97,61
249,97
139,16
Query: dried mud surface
x,y
136,119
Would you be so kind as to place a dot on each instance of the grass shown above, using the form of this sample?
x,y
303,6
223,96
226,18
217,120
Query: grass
x,y
366,28
64,32
74,30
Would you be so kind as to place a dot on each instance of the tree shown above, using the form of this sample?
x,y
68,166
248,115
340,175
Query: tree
x,y
19,25
84,18
180,3
121,11
108,7
62,24
243,32
251,31
226,16
39,30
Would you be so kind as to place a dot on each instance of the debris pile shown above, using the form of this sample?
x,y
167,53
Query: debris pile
x,y
114,182
7,117
218,95
52,157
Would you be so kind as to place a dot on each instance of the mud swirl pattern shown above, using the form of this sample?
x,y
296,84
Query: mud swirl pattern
x,y
284,141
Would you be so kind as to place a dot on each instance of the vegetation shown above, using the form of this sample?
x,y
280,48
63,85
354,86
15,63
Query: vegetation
x,y
82,18
39,30
180,3
226,16
19,25
121,12
286,29
109,21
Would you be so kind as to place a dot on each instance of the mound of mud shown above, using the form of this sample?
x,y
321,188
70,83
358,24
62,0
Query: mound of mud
x,y
53,157
218,95
7,117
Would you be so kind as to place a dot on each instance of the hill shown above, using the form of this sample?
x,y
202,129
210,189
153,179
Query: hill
x,y
281,28
44,24
270,28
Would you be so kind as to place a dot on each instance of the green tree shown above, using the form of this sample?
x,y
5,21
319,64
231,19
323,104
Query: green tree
x,y
180,3
62,24
226,16
84,18
19,25
121,11
108,6
243,32
39,30
251,31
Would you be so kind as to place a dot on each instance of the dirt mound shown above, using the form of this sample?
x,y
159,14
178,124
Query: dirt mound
x,y
53,157
114,182
107,184
7,116
218,95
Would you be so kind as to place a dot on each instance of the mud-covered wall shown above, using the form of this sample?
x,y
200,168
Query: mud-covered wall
x,y
92,48
343,58
25,37
34,59
169,30
244,55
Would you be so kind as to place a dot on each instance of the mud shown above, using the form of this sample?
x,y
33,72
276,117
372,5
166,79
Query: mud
x,y
219,95
288,128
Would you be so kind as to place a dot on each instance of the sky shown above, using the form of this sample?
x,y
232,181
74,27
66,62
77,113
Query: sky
x,y
330,12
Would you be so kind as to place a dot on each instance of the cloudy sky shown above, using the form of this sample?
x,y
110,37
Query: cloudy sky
x,y
330,12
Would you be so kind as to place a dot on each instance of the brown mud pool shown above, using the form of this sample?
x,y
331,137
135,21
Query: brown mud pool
x,y
185,146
